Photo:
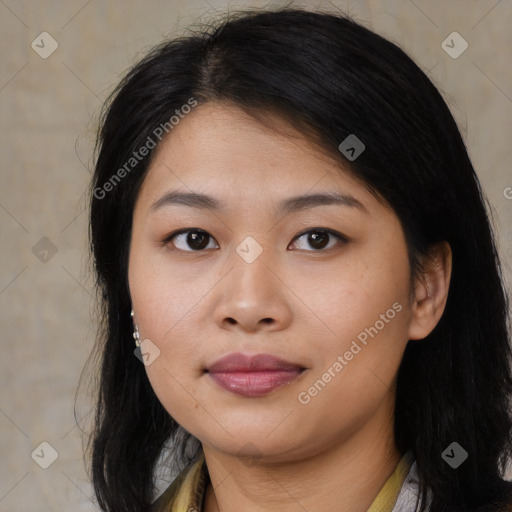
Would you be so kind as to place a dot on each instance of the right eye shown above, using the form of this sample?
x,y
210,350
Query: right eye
x,y
195,239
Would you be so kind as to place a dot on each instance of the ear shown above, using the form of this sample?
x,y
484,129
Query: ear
x,y
431,291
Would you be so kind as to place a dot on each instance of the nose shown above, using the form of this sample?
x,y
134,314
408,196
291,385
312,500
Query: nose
x,y
254,297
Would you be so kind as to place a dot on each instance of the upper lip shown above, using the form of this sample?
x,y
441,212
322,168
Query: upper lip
x,y
237,362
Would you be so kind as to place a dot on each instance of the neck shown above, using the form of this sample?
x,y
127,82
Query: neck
x,y
346,476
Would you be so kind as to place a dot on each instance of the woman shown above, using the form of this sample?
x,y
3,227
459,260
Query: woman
x,y
286,220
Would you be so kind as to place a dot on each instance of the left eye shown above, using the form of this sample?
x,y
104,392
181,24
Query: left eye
x,y
319,238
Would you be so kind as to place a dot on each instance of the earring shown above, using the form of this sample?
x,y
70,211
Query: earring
x,y
136,334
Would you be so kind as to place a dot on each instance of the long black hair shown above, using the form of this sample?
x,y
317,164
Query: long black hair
x,y
330,77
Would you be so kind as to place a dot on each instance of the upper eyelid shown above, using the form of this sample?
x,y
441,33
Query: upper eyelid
x,y
327,230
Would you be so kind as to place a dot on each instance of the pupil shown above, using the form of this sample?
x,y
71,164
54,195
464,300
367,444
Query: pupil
x,y
318,239
197,240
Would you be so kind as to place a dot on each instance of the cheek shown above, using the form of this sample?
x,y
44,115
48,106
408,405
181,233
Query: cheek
x,y
354,296
165,304
169,301
165,296
366,311
353,372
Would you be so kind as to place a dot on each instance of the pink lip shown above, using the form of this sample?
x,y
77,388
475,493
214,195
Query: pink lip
x,y
253,375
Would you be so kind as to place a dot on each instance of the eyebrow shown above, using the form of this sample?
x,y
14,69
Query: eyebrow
x,y
290,205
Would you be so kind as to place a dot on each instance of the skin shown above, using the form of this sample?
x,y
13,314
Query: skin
x,y
295,301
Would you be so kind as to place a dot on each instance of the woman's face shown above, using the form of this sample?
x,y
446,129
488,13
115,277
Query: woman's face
x,y
321,284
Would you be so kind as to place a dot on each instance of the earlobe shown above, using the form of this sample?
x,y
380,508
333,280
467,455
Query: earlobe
x,y
431,291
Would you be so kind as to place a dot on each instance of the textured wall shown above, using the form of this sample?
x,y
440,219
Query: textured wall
x,y
49,108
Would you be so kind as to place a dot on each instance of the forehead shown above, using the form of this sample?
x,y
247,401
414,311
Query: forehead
x,y
219,149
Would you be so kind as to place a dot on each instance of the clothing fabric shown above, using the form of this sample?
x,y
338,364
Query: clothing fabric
x,y
406,501
187,491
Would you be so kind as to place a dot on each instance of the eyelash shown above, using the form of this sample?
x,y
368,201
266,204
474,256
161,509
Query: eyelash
x,y
341,238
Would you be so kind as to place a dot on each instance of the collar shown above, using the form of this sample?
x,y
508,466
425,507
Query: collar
x,y
386,500
187,491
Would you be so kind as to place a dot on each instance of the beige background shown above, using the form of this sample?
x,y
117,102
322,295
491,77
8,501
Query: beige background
x,y
49,109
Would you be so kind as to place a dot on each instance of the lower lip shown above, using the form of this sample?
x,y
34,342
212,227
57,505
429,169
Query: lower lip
x,y
254,383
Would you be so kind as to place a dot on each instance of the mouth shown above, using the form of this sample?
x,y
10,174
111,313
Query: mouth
x,y
253,376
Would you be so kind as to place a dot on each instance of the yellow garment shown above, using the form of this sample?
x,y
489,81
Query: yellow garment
x,y
386,499
186,493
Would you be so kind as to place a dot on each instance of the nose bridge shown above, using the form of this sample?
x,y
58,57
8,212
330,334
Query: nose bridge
x,y
253,296
251,260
